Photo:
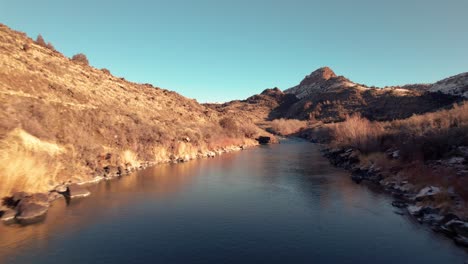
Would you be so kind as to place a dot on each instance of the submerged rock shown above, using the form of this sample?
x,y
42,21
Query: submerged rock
x,y
77,191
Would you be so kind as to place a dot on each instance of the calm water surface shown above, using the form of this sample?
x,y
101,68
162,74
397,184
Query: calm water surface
x,y
275,204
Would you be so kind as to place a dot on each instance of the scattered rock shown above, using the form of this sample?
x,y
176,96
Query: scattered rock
x,y
456,160
18,196
395,154
62,188
461,240
399,204
414,210
8,216
110,171
30,212
77,191
38,198
54,196
427,192
458,227
432,218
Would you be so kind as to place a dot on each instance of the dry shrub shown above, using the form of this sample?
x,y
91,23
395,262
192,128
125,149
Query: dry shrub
x,y
27,163
80,58
228,123
106,71
432,135
358,132
287,126
26,46
41,42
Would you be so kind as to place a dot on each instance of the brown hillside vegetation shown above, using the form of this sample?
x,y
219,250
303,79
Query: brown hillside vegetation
x,y
258,109
66,121
327,97
432,148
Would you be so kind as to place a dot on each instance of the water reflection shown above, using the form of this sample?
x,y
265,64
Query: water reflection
x,y
279,203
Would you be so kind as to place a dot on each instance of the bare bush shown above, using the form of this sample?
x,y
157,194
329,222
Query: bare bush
x,y
287,126
358,132
26,47
228,123
41,42
80,58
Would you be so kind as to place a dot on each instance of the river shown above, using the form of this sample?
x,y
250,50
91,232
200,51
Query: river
x,y
272,204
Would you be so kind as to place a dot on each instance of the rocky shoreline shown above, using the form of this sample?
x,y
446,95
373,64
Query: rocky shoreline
x,y
28,208
422,204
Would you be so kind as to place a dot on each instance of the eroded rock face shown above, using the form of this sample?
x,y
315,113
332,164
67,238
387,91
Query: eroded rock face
x,y
77,191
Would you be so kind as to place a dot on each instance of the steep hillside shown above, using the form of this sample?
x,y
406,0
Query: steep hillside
x,y
327,97
455,85
270,104
63,121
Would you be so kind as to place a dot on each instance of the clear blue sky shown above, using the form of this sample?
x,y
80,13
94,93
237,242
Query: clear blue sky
x,y
222,50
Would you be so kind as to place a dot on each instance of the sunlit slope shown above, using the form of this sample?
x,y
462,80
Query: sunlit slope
x,y
63,120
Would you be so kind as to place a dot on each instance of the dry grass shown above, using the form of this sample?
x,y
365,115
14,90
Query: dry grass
x,y
287,126
60,120
26,162
359,133
429,136
420,139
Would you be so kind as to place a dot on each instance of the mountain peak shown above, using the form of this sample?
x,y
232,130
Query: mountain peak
x,y
324,73
319,75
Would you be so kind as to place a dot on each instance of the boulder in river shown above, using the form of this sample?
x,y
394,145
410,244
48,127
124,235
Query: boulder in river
x,y
16,198
32,209
62,188
77,191
8,216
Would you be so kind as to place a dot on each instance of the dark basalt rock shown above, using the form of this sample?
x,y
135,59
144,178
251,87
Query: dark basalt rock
x,y
264,140
30,212
8,216
357,178
399,204
77,191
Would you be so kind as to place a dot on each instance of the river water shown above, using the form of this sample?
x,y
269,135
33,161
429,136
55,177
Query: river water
x,y
272,204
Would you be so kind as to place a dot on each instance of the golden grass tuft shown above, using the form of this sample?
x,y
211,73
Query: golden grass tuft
x,y
287,126
27,163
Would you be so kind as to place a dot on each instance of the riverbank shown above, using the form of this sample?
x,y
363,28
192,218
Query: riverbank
x,y
29,208
438,207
